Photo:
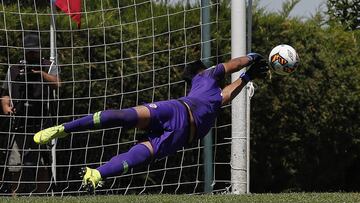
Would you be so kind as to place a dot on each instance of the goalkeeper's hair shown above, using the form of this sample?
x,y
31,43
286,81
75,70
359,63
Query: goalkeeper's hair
x,y
191,70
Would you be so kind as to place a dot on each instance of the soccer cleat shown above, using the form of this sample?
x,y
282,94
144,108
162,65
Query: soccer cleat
x,y
44,136
91,179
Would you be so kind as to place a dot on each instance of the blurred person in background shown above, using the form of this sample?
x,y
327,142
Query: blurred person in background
x,y
25,100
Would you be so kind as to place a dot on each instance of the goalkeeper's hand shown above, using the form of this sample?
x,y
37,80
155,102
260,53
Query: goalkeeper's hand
x,y
257,70
254,58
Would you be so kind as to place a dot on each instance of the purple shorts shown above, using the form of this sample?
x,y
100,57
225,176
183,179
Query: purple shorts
x,y
169,127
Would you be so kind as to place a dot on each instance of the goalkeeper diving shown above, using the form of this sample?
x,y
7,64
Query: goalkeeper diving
x,y
171,124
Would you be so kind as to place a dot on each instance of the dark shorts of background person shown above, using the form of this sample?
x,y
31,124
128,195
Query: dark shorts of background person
x,y
23,151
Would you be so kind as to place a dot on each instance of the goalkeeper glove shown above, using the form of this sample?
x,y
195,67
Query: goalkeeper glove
x,y
254,58
257,69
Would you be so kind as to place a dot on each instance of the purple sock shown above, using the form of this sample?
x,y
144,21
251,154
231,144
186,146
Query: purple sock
x,y
120,164
127,118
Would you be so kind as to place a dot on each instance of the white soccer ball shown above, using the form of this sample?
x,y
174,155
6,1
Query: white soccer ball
x,y
283,59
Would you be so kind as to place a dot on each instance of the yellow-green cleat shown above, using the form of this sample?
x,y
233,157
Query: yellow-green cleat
x,y
44,136
91,179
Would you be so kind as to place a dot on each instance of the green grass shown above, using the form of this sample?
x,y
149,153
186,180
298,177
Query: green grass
x,y
282,197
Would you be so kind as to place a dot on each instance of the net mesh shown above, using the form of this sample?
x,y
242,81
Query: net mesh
x,y
126,53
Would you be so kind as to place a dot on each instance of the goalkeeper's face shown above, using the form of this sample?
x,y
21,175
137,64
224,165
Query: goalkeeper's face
x,y
189,75
191,70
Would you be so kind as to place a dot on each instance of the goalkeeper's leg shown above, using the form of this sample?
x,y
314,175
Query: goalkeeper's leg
x,y
120,164
128,118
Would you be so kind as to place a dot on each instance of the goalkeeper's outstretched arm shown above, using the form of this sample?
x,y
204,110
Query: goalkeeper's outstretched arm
x,y
238,63
258,68
232,90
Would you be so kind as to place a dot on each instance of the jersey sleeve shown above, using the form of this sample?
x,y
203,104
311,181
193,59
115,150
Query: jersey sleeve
x,y
217,72
54,70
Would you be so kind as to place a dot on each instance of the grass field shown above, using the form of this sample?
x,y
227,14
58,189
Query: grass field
x,y
283,197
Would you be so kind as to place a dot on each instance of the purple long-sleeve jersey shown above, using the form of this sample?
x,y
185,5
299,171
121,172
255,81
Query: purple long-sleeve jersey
x,y
204,98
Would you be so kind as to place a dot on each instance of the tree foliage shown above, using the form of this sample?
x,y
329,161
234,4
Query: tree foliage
x,y
305,132
346,12
287,7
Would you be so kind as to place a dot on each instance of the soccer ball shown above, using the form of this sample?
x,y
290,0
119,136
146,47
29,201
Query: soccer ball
x,y
283,59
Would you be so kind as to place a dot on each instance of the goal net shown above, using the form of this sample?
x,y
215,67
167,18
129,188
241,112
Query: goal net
x,y
126,53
